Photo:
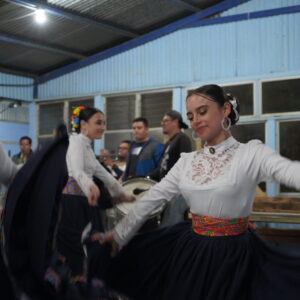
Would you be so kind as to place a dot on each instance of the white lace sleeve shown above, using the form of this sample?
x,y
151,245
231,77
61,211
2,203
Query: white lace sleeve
x,y
271,166
75,162
157,195
8,168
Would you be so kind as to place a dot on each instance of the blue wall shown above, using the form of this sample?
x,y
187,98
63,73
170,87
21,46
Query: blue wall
x,y
10,134
15,87
231,52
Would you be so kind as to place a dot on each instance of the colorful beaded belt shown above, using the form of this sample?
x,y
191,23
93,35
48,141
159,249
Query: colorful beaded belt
x,y
72,188
211,226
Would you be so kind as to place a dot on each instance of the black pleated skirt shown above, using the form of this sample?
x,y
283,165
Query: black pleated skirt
x,y
176,263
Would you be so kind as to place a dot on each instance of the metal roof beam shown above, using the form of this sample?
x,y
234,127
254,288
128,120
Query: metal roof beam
x,y
66,13
185,5
141,40
247,16
39,46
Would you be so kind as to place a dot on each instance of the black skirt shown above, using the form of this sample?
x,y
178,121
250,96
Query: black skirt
x,y
76,213
176,263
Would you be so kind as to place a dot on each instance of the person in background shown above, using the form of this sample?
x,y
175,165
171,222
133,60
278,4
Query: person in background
x,y
144,152
177,143
109,164
123,150
25,151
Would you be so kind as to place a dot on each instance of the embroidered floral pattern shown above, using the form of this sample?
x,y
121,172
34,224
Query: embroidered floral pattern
x,y
209,167
72,188
210,226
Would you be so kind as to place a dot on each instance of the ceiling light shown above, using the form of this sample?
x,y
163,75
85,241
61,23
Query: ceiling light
x,y
40,16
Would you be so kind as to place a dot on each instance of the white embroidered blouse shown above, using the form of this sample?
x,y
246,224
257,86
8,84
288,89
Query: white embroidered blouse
x,y
220,184
83,165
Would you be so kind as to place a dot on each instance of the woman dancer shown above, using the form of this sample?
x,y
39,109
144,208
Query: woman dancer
x,y
81,192
216,256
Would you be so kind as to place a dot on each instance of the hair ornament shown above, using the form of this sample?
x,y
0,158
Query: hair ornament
x,y
233,102
75,122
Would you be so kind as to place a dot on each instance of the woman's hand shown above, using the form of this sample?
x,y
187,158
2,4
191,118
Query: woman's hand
x,y
126,198
108,238
93,195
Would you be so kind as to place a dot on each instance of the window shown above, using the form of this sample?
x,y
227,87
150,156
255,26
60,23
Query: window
x,y
246,132
121,110
14,110
244,93
289,143
50,115
281,96
154,106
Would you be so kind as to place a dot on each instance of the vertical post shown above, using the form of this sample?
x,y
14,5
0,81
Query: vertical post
x,y
99,102
272,187
33,124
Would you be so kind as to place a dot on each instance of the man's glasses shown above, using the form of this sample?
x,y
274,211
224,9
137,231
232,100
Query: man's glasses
x,y
166,121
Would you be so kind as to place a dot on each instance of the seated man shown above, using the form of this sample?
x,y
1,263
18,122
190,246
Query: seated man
x,y
107,162
123,154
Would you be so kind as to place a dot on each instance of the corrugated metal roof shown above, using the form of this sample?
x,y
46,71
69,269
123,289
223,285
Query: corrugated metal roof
x,y
77,29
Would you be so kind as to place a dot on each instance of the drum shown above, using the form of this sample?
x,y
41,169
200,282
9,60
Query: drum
x,y
138,187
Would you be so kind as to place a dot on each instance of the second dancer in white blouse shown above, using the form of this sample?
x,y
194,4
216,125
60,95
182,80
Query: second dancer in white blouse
x,y
81,192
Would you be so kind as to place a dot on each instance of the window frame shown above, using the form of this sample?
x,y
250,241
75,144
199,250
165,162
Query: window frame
x,y
278,121
66,104
279,114
138,107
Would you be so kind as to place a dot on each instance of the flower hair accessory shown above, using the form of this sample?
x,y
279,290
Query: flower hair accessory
x,y
233,102
75,117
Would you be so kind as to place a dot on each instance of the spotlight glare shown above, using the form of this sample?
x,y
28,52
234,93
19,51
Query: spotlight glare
x,y
40,16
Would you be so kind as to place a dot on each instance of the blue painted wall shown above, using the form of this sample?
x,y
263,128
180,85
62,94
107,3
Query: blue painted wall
x,y
15,87
245,50
10,134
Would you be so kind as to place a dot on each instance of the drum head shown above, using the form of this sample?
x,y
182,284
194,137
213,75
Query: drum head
x,y
138,187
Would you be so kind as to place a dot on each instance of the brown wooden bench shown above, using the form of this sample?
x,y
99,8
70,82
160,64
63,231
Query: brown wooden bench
x,y
277,210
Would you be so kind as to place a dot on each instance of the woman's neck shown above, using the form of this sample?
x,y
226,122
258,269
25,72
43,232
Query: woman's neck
x,y
219,139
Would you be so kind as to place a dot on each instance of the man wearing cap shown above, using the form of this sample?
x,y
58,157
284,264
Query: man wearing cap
x,y
178,142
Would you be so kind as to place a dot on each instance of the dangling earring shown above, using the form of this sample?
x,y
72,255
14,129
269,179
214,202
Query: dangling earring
x,y
227,121
195,137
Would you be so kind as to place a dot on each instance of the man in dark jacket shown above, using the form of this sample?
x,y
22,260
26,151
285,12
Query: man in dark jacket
x,y
178,142
25,151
